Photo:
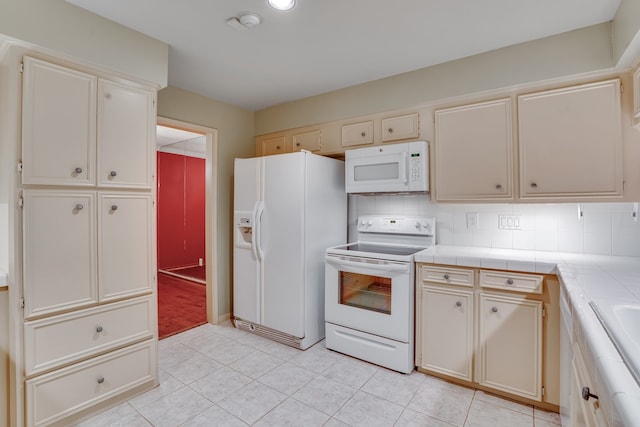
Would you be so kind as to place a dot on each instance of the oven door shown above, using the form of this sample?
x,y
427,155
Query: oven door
x,y
370,295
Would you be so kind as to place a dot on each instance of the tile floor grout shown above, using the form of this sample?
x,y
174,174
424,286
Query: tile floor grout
x,y
218,375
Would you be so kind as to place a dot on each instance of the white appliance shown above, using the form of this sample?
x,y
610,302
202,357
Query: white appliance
x,y
396,168
288,209
369,290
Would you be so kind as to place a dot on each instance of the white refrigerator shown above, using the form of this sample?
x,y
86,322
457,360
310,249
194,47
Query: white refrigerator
x,y
288,209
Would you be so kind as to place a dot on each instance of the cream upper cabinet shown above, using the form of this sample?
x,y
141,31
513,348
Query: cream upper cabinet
x,y
58,125
126,131
400,127
272,145
447,350
360,133
570,142
473,149
510,344
59,251
310,141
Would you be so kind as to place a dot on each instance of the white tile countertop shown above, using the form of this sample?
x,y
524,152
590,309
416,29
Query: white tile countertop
x,y
584,278
3,279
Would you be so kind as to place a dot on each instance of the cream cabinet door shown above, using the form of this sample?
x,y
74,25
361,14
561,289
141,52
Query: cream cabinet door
x,y
126,134
357,134
125,241
473,150
310,141
59,262
571,142
445,331
58,125
274,145
400,127
510,345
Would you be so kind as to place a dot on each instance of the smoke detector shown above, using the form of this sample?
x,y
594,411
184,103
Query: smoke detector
x,y
245,21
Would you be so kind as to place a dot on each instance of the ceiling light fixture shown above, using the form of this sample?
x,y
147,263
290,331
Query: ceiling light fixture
x,y
282,4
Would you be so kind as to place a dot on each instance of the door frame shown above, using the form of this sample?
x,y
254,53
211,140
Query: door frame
x,y
211,211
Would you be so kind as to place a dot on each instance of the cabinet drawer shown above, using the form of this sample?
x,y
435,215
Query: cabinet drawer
x,y
529,283
400,127
357,134
447,276
67,338
61,393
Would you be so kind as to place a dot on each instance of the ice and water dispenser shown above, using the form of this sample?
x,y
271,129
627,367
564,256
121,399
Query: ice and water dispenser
x,y
244,229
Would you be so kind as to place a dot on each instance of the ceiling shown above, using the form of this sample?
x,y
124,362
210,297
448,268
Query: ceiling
x,y
178,141
324,45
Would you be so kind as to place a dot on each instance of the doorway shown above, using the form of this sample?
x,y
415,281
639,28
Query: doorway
x,y
185,216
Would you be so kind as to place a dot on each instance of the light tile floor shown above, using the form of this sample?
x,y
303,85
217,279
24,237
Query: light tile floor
x,y
216,375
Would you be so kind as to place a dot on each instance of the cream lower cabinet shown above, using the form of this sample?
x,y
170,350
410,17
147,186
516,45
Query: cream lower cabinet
x,y
449,350
486,328
510,344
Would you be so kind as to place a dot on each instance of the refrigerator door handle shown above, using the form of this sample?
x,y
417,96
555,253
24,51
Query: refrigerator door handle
x,y
254,231
257,238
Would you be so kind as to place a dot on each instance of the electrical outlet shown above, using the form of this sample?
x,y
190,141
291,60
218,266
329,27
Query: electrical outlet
x,y
509,222
473,221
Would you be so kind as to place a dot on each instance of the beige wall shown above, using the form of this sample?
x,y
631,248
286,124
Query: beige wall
x,y
626,34
4,358
578,51
235,139
65,28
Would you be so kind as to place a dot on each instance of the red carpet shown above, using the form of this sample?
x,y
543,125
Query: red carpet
x,y
181,305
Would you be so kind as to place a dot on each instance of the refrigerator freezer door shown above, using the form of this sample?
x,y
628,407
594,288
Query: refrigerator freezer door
x,y
282,243
246,199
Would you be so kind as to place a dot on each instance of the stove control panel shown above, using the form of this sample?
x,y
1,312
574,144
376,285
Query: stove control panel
x,y
388,224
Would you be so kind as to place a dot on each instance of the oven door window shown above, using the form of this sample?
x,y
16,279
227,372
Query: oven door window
x,y
364,291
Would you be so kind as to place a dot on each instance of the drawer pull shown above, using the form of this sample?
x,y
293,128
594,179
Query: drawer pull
x,y
534,185
363,134
113,174
586,393
458,304
499,187
114,207
79,207
99,329
494,309
100,380
390,130
510,281
446,277
78,170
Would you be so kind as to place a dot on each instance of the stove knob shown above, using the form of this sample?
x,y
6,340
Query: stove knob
x,y
418,225
370,223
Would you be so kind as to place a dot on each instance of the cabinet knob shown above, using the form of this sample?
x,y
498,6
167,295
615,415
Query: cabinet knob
x,y
114,207
458,303
446,277
363,134
586,393
494,309
510,281
79,207
297,144
390,130
100,380
534,185
499,187
277,147
78,170
99,329
113,173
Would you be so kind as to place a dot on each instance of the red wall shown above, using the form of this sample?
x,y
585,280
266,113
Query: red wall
x,y
181,210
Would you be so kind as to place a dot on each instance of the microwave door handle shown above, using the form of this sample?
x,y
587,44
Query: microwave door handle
x,y
403,167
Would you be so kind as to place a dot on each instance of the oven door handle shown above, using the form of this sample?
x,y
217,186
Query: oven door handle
x,y
382,265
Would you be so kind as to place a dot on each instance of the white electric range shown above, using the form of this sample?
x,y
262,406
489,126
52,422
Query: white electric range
x,y
369,290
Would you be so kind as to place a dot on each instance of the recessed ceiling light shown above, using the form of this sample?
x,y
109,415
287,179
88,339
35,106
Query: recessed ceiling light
x,y
282,4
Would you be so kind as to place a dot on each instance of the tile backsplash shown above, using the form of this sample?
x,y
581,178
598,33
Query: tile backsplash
x,y
590,228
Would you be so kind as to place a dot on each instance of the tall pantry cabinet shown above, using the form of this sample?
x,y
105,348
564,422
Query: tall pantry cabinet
x,y
88,240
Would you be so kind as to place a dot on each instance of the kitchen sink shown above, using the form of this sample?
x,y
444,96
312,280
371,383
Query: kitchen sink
x,y
621,320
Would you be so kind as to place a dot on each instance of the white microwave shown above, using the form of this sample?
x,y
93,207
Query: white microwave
x,y
396,168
